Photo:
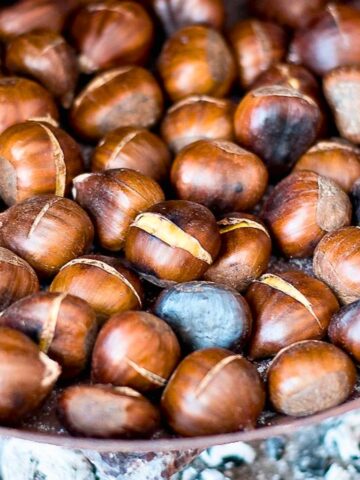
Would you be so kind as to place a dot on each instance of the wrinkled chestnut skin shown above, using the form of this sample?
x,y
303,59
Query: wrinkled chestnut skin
x,y
137,350
244,253
198,118
257,46
103,282
201,397
27,376
110,33
344,329
337,263
309,377
280,320
123,97
22,99
220,175
196,61
277,123
47,231
321,46
134,148
58,70
103,411
302,209
63,326
37,158
336,159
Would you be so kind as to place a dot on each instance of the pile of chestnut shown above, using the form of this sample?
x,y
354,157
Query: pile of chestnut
x,y
154,161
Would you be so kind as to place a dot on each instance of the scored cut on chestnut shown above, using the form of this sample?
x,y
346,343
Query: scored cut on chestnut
x,y
135,349
344,329
201,398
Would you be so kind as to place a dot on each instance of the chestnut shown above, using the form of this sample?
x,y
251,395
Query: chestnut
x,y
123,97
322,46
219,174
337,263
309,377
277,123
135,349
344,329
27,376
198,118
63,326
134,148
287,308
355,197
196,61
336,159
173,241
257,46
244,253
196,312
37,158
47,231
22,99
103,411
302,208
111,33
58,69
213,391
102,281
113,199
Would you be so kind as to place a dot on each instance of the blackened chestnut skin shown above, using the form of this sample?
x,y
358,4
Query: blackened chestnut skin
x,y
205,314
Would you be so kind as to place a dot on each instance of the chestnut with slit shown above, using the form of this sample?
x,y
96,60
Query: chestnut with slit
x,y
302,208
135,349
173,241
213,391
62,325
288,308
344,329
309,377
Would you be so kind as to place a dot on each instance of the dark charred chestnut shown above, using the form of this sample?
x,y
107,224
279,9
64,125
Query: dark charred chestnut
x,y
135,349
201,397
63,326
173,241
309,377
244,253
302,209
103,411
287,308
344,329
196,61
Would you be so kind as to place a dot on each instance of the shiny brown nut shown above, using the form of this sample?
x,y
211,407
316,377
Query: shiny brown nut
x,y
344,329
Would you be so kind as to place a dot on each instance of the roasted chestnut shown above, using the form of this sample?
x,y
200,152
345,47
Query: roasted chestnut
x,y
111,33
309,377
287,308
22,99
355,197
58,68
257,46
302,209
37,158
63,326
201,397
277,123
47,231
134,148
337,263
173,241
113,199
27,376
135,349
124,97
103,411
244,253
336,159
344,329
196,61
219,174
103,282
205,314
